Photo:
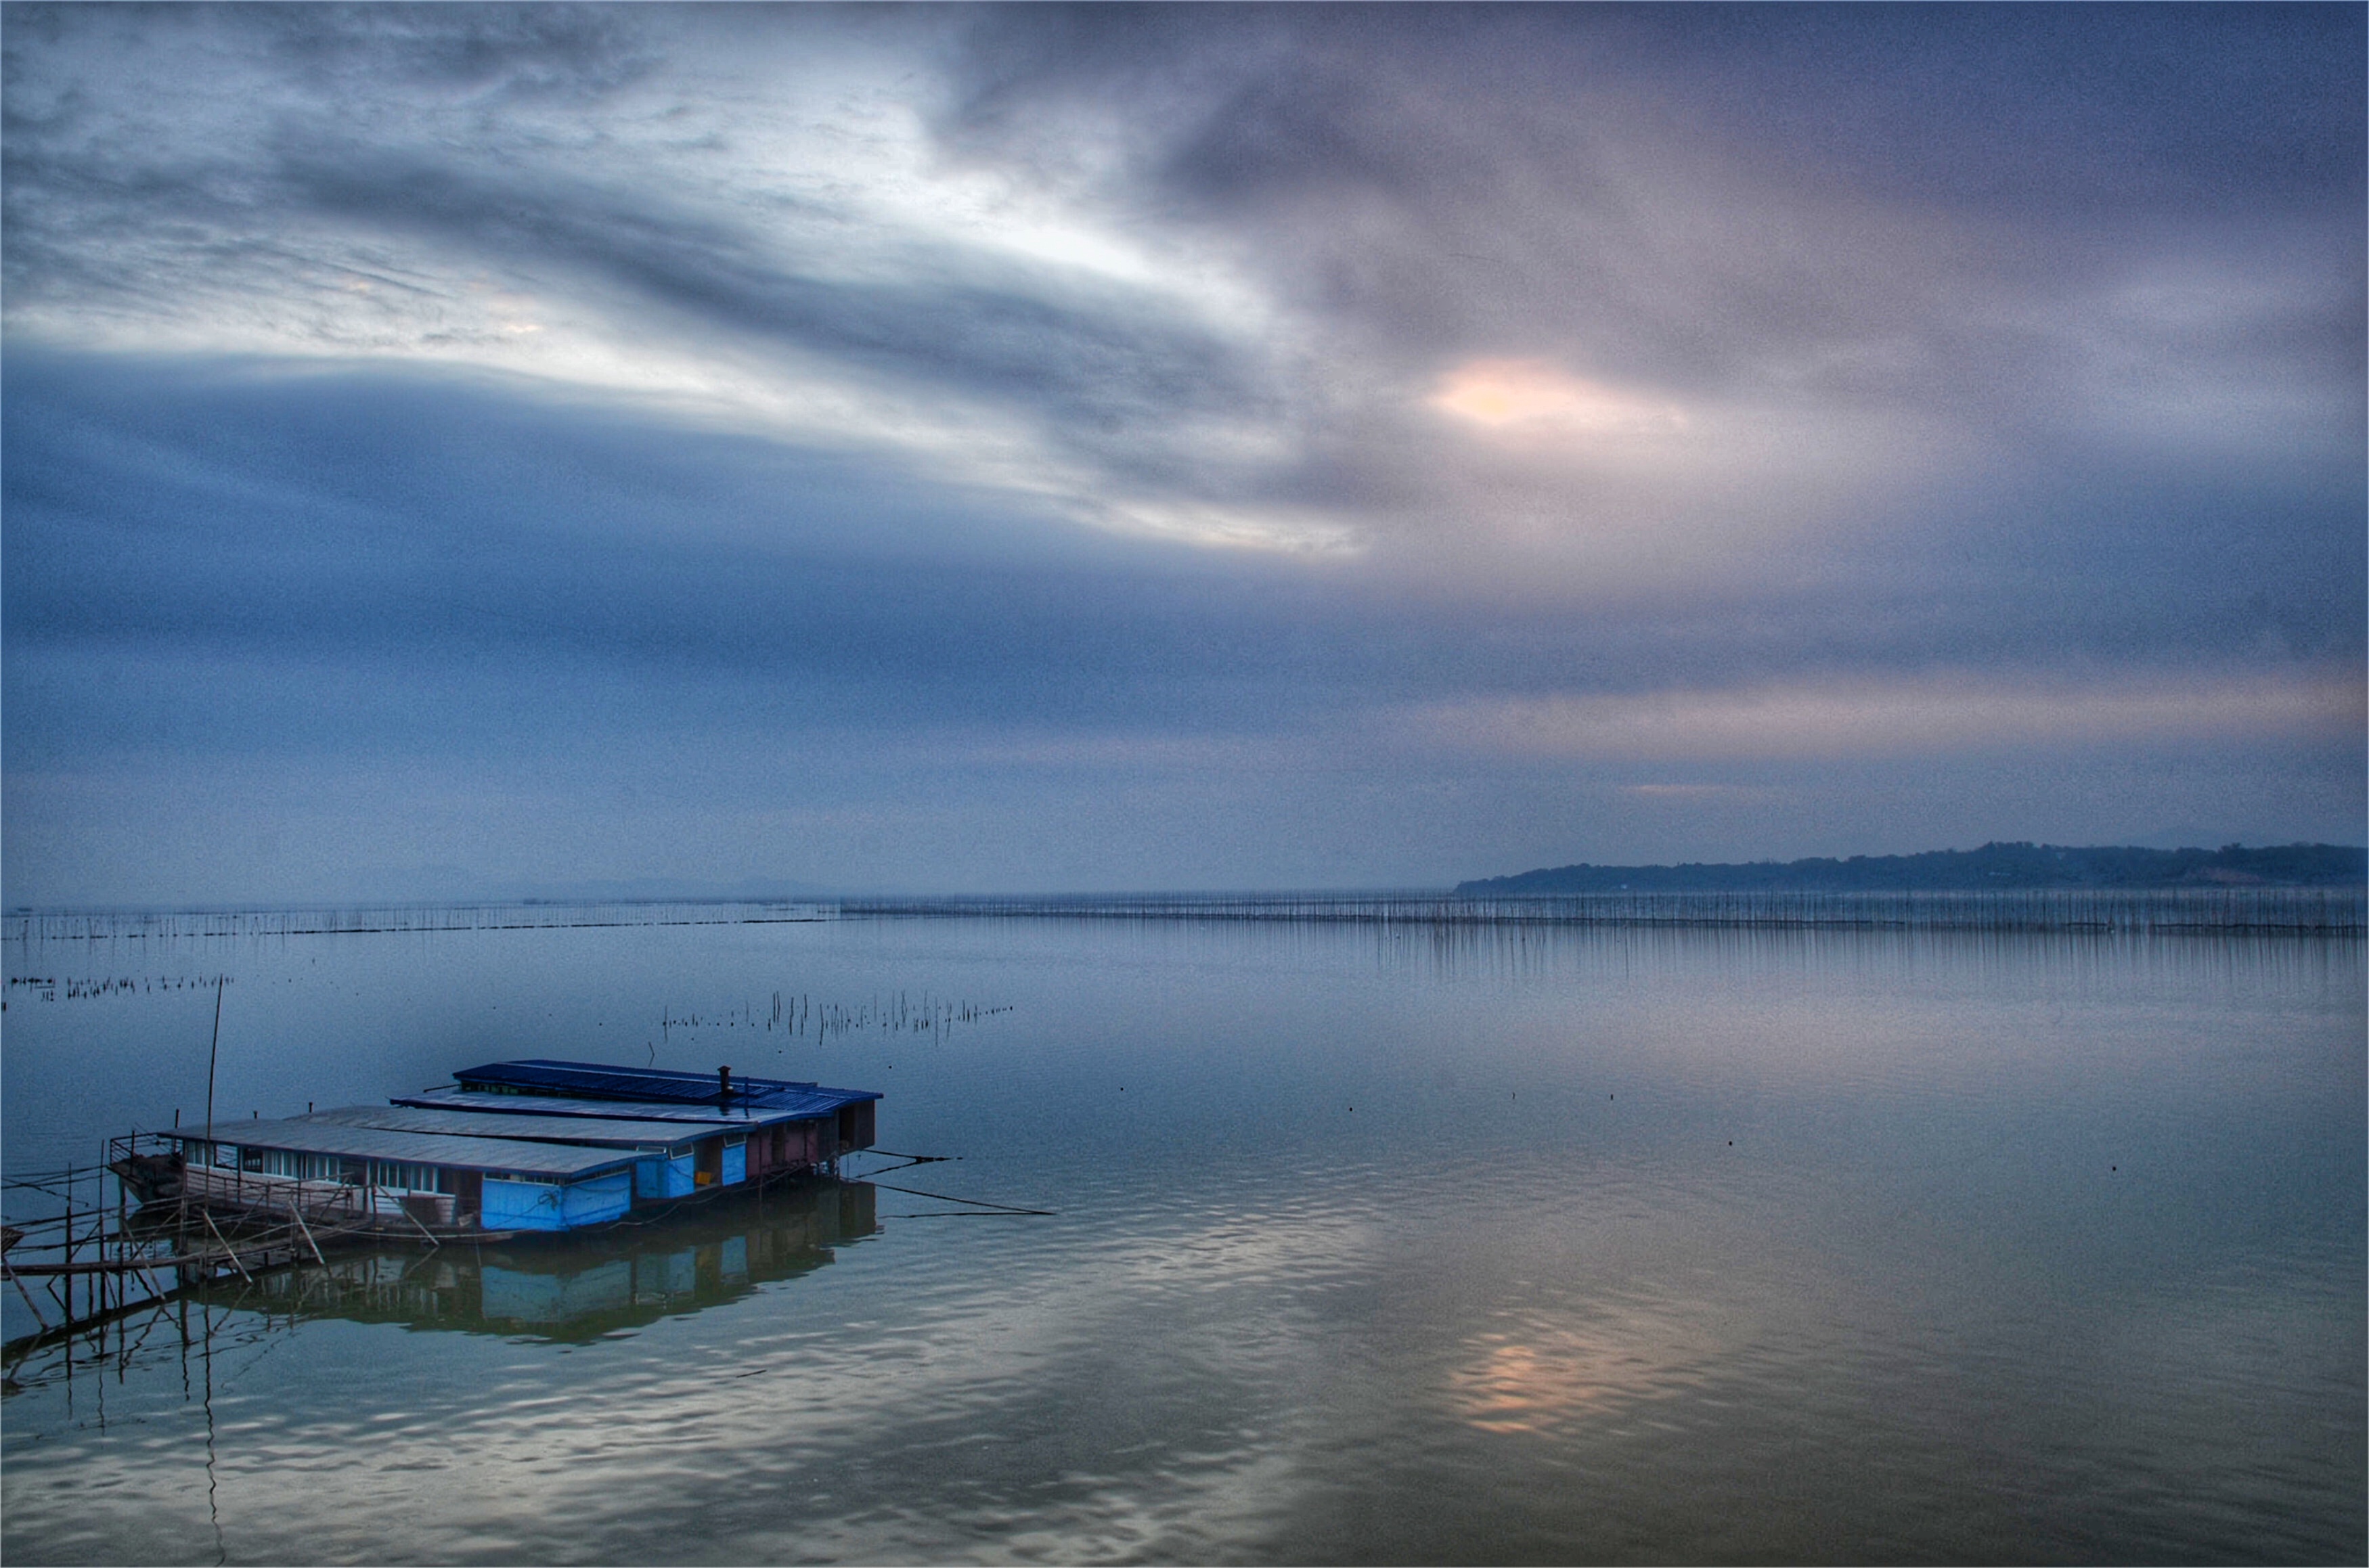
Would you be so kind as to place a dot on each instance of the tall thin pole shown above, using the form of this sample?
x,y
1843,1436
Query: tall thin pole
x,y
211,1051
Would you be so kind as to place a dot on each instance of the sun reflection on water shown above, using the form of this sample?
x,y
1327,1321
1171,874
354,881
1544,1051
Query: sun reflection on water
x,y
1541,1376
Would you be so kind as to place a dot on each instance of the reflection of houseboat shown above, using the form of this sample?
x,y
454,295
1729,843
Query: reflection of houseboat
x,y
576,1287
515,1146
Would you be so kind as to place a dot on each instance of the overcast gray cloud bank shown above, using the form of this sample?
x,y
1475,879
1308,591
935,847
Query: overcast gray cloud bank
x,y
461,446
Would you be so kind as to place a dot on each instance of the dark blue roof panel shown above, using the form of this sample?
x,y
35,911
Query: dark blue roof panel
x,y
646,1085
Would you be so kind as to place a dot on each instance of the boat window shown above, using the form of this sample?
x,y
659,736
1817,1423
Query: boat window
x,y
403,1176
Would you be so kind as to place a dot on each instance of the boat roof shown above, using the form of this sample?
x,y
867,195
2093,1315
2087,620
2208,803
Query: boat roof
x,y
615,1132
314,1135
809,1106
649,1085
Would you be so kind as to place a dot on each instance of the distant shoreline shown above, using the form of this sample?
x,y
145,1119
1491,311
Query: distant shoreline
x,y
1995,867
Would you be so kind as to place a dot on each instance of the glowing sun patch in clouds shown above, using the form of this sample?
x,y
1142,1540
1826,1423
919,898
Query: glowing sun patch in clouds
x,y
1533,396
1878,715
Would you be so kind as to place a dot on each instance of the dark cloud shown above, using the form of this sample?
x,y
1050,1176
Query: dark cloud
x,y
2078,109
487,52
1060,418
1697,195
574,52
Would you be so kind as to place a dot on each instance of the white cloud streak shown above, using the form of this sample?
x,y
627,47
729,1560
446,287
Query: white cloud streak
x,y
1874,717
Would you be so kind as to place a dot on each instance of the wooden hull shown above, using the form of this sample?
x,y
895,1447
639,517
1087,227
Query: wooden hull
x,y
150,1178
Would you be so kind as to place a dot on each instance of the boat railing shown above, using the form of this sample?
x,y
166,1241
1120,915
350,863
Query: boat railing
x,y
333,1202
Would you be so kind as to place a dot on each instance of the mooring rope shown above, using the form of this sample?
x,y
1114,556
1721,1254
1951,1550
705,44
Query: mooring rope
x,y
975,1202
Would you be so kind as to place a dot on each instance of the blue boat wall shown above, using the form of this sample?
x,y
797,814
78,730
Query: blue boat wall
x,y
552,1205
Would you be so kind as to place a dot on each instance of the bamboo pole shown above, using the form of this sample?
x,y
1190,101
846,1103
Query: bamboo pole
x,y
70,1244
423,1229
297,1209
213,1050
227,1248
122,1235
27,1295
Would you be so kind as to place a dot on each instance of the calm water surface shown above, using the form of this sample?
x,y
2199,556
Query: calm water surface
x,y
1368,1245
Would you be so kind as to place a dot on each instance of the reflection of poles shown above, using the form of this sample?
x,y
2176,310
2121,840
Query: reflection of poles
x,y
213,1512
68,1279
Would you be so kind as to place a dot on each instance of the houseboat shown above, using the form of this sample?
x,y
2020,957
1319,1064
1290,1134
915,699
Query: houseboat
x,y
510,1147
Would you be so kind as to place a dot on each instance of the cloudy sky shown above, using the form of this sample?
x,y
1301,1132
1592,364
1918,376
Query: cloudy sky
x,y
459,450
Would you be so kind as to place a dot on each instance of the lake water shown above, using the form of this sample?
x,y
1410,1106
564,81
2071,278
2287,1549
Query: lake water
x,y
1402,1243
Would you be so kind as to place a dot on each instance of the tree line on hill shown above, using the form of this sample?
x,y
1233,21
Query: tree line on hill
x,y
1995,865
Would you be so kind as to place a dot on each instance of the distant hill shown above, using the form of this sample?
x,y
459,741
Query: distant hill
x,y
1993,866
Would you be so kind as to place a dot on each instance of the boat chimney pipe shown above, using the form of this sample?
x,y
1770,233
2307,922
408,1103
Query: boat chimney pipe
x,y
723,1085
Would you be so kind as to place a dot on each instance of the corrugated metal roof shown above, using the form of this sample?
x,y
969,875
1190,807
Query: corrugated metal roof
x,y
313,1136
654,1085
611,1132
806,1107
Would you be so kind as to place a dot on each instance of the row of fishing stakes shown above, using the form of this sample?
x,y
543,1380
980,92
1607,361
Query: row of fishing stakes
x,y
798,1015
2318,909
181,925
2270,910
110,985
